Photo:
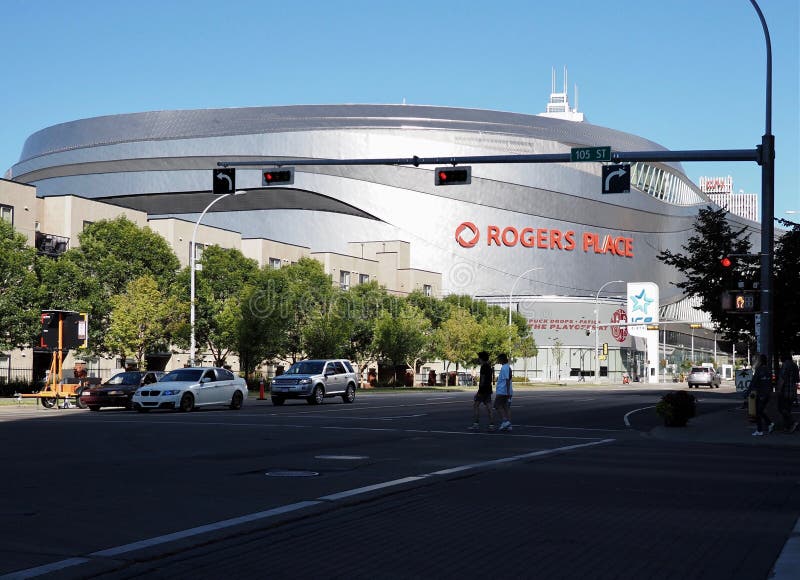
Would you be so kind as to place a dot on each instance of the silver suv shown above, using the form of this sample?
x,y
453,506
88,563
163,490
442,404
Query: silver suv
x,y
703,376
313,380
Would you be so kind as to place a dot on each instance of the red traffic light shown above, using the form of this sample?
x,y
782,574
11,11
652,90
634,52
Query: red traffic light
x,y
726,262
453,175
283,176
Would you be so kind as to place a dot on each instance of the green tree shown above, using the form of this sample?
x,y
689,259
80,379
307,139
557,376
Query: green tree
x,y
458,338
261,332
436,310
705,278
326,332
308,288
402,337
19,290
785,290
363,303
111,254
497,336
525,348
141,320
219,291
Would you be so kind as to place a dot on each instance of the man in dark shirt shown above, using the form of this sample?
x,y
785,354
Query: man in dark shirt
x,y
484,394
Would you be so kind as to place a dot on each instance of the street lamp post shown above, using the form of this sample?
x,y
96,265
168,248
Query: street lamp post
x,y
511,293
192,266
597,328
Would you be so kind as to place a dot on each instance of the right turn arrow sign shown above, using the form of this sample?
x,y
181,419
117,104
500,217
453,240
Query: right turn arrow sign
x,y
617,178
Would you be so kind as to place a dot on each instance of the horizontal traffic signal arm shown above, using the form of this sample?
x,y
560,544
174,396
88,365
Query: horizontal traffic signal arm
x,y
626,156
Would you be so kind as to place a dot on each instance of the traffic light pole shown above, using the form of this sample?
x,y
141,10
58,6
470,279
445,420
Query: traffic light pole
x,y
767,162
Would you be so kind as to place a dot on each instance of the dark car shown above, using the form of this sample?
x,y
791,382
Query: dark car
x,y
118,390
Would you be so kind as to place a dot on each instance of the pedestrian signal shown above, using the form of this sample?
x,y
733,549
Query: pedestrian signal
x,y
741,302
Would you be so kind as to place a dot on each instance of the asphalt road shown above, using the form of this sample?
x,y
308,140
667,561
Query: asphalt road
x,y
392,486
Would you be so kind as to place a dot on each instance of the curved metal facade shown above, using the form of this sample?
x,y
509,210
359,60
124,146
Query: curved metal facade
x,y
549,216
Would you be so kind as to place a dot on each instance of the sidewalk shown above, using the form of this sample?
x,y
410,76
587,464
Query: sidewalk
x,y
731,426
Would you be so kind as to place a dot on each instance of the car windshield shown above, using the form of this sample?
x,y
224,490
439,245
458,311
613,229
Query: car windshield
x,y
126,378
184,375
699,370
306,367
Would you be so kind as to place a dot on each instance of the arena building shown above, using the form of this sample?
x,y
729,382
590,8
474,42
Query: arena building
x,y
541,238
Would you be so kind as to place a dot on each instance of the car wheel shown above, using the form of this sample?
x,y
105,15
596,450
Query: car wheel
x,y
317,397
277,401
349,394
78,403
187,403
236,400
94,407
48,402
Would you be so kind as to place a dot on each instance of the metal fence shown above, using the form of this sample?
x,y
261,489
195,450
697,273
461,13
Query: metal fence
x,y
14,375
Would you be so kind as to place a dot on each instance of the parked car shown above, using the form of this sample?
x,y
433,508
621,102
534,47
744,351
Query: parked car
x,y
313,380
188,388
118,390
703,376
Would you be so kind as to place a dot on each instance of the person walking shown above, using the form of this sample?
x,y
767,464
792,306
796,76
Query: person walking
x,y
762,385
484,394
787,389
504,392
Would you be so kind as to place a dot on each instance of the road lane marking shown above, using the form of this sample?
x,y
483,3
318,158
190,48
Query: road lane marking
x,y
221,525
262,515
629,413
46,569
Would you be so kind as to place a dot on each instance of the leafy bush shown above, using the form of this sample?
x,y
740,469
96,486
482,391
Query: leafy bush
x,y
676,408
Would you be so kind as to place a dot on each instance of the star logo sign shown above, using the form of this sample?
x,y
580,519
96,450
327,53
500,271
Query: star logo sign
x,y
640,301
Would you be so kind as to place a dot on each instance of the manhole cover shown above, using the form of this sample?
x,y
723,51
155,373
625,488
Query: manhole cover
x,y
291,473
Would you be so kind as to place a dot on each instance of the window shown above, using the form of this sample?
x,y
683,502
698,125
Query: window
x,y
7,213
344,280
363,278
198,253
275,263
427,290
86,224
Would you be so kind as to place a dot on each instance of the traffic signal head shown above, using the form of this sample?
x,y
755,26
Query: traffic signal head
x,y
726,262
453,175
282,176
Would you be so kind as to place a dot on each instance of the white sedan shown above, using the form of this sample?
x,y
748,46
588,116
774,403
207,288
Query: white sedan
x,y
188,388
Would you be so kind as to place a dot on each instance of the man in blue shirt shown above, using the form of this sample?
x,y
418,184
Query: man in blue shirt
x,y
503,393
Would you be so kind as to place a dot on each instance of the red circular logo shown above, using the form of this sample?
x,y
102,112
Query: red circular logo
x,y
475,235
620,333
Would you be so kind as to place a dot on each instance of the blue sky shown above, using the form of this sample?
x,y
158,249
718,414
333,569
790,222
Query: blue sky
x,y
688,74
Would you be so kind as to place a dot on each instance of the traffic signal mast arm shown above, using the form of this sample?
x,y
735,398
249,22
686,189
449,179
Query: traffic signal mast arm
x,y
624,156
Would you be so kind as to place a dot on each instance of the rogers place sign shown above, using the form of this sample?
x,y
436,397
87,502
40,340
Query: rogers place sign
x,y
468,235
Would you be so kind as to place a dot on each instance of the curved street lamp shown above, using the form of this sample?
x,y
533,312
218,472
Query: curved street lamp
x,y
193,265
511,293
597,328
